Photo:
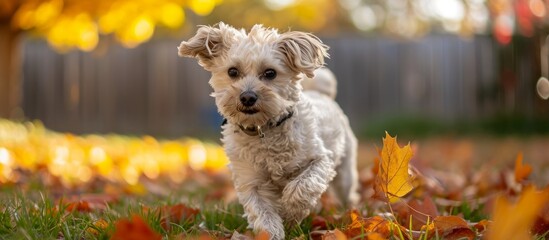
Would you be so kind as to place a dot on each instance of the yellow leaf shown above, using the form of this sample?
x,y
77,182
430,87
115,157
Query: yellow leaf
x,y
99,224
514,220
392,176
521,171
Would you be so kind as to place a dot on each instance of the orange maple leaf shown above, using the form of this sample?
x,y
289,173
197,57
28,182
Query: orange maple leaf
x,y
515,220
521,171
392,177
134,229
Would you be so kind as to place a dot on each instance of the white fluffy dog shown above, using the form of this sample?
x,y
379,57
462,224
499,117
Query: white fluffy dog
x,y
286,145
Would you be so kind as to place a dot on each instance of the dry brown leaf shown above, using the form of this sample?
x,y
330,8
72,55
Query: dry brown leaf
x,y
319,222
176,214
418,210
449,222
460,234
521,171
393,178
514,220
360,226
134,229
482,225
88,202
80,206
450,227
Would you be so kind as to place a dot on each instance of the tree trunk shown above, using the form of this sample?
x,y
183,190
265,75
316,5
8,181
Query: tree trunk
x,y
10,67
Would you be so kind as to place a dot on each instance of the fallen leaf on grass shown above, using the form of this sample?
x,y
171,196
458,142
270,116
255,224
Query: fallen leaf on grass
x,y
521,171
514,220
318,222
367,228
80,206
417,211
392,176
176,214
134,229
482,225
87,202
450,227
99,224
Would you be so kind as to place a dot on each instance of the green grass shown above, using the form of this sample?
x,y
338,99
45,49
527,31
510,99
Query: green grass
x,y
40,217
37,216
31,217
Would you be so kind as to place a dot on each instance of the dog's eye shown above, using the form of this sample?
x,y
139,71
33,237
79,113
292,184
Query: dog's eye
x,y
233,72
269,74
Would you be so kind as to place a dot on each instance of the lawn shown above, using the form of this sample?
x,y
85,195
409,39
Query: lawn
x,y
63,186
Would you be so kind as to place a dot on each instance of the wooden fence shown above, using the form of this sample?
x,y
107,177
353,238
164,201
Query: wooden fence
x,y
150,90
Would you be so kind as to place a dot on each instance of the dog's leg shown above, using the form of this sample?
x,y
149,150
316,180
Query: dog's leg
x,y
345,182
302,193
259,200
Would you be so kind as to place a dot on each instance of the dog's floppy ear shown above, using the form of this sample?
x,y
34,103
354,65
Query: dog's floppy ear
x,y
302,52
208,43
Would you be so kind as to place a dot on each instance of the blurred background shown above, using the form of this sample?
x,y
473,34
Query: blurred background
x,y
415,67
464,80
96,105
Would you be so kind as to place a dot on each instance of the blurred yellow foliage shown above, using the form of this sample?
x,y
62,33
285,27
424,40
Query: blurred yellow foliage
x,y
303,15
70,24
79,159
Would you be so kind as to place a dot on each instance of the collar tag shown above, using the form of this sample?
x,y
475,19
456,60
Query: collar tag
x,y
260,132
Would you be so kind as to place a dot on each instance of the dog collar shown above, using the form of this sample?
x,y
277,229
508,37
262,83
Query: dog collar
x,y
252,131
258,130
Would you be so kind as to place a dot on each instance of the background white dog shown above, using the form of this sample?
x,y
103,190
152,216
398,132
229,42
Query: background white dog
x,y
286,145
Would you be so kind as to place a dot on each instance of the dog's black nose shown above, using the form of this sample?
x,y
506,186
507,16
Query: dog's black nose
x,y
248,98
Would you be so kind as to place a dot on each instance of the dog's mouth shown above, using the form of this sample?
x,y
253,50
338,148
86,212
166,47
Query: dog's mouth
x,y
249,111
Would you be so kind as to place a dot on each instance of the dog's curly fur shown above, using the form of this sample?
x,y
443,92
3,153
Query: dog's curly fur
x,y
300,141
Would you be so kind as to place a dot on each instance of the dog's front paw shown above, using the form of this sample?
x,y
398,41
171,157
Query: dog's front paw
x,y
294,213
297,202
